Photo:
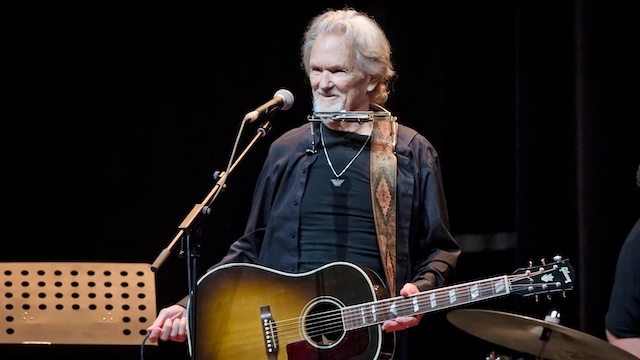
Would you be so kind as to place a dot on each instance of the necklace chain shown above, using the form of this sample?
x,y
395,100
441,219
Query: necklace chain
x,y
326,154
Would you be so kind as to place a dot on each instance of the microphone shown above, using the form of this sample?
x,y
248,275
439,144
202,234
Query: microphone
x,y
282,99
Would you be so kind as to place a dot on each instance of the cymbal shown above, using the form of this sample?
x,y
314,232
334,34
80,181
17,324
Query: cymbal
x,y
525,334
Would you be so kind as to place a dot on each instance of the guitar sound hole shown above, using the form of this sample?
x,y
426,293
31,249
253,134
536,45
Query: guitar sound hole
x,y
323,324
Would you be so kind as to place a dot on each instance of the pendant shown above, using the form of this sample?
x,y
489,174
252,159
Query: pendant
x,y
337,182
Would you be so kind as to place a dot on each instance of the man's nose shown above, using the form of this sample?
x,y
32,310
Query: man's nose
x,y
326,79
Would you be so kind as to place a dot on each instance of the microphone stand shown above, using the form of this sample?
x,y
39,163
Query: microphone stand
x,y
186,229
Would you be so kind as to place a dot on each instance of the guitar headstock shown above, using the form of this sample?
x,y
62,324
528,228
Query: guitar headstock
x,y
543,279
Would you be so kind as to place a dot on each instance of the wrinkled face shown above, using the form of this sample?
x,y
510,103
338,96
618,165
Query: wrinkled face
x,y
337,83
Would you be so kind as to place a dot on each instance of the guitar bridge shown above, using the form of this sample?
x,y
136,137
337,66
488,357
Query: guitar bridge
x,y
269,332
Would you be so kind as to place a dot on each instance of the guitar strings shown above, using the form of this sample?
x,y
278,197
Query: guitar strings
x,y
376,312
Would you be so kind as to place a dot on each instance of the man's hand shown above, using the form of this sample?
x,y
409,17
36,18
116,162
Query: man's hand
x,y
403,322
171,324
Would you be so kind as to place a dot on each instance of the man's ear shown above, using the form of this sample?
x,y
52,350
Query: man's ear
x,y
372,85
373,82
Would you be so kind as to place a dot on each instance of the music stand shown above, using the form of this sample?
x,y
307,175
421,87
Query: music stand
x,y
77,303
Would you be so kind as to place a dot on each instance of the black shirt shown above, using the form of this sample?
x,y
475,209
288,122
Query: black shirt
x,y
623,317
336,222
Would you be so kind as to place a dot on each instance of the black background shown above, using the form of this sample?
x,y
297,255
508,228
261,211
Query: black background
x,y
117,117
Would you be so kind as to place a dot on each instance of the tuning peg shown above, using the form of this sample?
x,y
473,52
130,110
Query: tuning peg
x,y
557,258
543,261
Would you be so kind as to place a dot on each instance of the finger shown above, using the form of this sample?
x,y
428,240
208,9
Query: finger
x,y
178,329
409,289
184,330
157,322
154,334
405,322
166,330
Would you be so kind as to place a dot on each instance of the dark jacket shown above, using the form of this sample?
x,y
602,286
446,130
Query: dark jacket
x,y
426,251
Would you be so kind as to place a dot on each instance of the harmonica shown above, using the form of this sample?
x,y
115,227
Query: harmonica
x,y
352,116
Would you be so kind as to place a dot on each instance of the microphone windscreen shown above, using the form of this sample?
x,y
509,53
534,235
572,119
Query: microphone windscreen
x,y
287,98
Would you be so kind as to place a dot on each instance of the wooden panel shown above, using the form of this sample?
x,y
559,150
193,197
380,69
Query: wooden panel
x,y
76,303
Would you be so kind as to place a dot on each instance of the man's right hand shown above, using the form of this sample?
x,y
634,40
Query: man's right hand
x,y
171,324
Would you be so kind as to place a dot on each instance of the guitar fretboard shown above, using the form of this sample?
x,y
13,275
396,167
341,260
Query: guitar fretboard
x,y
377,312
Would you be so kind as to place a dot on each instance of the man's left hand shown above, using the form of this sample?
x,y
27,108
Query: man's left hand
x,y
403,322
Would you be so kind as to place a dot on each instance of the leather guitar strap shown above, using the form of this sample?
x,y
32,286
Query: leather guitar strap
x,y
383,176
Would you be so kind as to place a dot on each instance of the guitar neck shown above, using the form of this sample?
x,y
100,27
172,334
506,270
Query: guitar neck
x,y
376,312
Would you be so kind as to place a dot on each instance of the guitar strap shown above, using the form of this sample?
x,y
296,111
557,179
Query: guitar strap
x,y
383,176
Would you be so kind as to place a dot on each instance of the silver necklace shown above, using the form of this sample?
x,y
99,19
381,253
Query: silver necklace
x,y
337,182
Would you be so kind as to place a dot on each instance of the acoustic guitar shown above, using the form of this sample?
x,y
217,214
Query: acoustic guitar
x,y
248,311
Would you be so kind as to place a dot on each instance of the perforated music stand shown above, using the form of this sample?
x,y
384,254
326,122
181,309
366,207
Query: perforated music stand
x,y
76,303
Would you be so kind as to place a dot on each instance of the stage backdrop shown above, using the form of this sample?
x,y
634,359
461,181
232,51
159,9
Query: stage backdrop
x,y
118,117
